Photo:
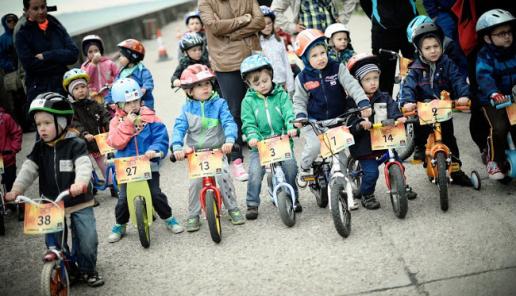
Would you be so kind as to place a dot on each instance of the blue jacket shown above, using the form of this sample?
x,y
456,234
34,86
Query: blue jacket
x,y
433,7
422,83
143,76
8,59
206,124
454,52
496,71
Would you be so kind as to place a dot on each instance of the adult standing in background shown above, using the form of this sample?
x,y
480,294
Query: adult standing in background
x,y
442,15
232,28
390,19
347,10
306,14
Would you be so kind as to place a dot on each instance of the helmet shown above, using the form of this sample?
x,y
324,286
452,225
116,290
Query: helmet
x,y
125,90
423,30
418,20
190,40
132,49
493,18
92,39
194,74
305,39
357,61
74,74
192,14
266,11
253,63
335,28
55,104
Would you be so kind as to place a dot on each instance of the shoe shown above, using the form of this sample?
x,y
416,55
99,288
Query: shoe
x,y
419,153
238,170
301,177
112,191
174,225
252,213
236,217
95,191
411,194
193,224
95,202
460,178
484,156
92,279
117,232
494,171
369,202
299,208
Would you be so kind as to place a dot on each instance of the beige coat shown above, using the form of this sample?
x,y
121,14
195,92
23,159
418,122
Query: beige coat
x,y
231,37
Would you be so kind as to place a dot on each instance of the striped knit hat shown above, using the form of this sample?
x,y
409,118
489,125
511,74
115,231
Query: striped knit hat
x,y
363,70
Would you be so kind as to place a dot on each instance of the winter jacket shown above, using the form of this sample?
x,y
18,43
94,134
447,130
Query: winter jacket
x,y
362,146
341,57
275,51
131,140
433,7
282,21
424,82
453,51
104,72
496,71
230,39
58,51
10,138
8,58
90,118
206,124
389,14
58,166
144,78
321,95
186,61
264,117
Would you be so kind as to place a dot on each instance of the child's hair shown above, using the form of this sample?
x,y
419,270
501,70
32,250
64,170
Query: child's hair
x,y
267,12
255,75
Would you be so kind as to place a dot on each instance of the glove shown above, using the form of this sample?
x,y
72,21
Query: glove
x,y
498,98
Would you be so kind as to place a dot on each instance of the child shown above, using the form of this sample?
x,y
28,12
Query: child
x,y
206,122
60,160
90,118
339,40
429,74
274,49
10,143
136,129
100,69
321,92
194,25
496,76
266,112
132,53
365,68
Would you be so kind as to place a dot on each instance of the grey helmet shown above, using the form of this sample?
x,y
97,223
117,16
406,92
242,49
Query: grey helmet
x,y
493,18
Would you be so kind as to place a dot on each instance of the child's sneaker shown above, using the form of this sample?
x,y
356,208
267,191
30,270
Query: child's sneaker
x,y
238,170
411,194
93,279
299,208
460,178
236,217
193,224
116,233
369,202
494,171
173,225
301,177
252,213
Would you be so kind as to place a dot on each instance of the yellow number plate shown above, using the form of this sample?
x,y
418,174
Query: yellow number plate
x,y
404,62
43,218
274,150
335,140
205,164
511,113
1,165
131,169
426,116
104,148
385,138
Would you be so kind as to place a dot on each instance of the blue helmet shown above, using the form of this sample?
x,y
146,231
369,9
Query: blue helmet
x,y
266,11
125,90
253,63
192,14
414,23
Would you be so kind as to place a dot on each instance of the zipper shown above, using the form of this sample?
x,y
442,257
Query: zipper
x,y
324,93
268,116
203,131
55,168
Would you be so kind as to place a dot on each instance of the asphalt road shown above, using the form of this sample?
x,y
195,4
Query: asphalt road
x,y
469,250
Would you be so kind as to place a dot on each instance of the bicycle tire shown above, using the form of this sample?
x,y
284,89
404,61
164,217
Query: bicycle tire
x,y
286,209
354,172
213,216
141,221
339,208
398,193
52,282
321,196
442,180
406,152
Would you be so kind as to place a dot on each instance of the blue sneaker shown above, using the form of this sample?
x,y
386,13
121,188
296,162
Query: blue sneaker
x,y
173,225
117,232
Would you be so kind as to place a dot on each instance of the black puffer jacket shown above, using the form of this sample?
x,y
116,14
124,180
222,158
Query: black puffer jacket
x,y
90,118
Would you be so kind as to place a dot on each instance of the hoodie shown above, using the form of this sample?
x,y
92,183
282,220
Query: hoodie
x,y
10,137
8,59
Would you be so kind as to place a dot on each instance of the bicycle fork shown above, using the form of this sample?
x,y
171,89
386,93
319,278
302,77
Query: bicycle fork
x,y
279,183
208,183
336,172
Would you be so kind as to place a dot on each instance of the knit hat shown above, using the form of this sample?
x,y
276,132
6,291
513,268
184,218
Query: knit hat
x,y
362,71
75,83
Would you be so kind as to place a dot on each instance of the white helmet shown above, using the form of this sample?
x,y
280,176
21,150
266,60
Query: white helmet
x,y
493,18
335,28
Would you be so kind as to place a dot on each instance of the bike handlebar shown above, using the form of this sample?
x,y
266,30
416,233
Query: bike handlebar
x,y
390,52
236,148
454,106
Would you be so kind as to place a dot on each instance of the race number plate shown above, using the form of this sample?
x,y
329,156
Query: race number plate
x,y
511,113
335,140
426,115
385,138
404,63
104,148
274,150
43,218
131,169
205,164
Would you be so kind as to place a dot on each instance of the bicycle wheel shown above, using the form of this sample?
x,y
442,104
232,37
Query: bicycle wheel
x,y
321,196
213,216
442,180
286,209
141,221
355,174
398,192
54,280
406,152
339,208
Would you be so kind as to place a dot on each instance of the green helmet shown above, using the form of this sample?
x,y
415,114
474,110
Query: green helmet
x,y
55,104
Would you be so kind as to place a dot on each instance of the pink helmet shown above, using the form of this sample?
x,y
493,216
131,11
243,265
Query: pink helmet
x,y
194,74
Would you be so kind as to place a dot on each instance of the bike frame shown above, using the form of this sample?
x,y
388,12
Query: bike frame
x,y
390,158
279,183
209,183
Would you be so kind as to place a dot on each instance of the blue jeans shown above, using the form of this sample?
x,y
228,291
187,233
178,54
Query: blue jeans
x,y
371,173
256,173
84,239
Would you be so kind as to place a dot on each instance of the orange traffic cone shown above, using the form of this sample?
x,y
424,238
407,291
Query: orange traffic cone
x,y
162,51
